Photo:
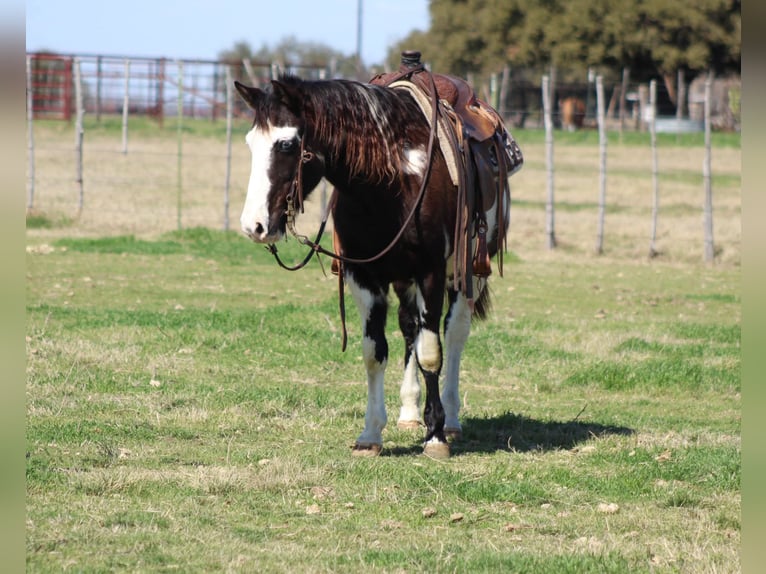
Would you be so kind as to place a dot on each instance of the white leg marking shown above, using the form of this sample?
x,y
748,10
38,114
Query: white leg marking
x,y
375,418
455,337
410,393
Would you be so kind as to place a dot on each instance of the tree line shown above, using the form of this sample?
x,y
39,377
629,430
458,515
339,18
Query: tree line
x,y
651,38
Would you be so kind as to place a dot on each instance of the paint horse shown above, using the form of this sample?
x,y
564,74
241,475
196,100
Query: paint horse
x,y
398,223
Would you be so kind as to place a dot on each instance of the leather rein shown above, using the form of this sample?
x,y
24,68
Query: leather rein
x,y
295,198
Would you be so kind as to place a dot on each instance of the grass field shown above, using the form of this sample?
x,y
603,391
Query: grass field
x,y
189,409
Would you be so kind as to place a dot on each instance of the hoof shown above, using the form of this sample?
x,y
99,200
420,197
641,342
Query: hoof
x,y
437,450
454,434
409,425
366,449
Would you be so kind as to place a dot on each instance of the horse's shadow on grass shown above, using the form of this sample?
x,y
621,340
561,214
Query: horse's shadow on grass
x,y
516,433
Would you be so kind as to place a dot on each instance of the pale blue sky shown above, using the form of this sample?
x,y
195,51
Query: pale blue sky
x,y
201,28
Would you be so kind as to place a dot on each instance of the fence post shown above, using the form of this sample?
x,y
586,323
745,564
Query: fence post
x,y
505,85
706,176
602,163
79,131
179,121
680,95
655,170
250,72
623,93
549,209
125,107
98,88
229,106
30,137
642,99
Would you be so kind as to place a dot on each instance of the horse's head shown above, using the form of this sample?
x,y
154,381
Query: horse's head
x,y
278,154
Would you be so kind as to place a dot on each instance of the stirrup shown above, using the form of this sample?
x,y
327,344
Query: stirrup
x,y
482,267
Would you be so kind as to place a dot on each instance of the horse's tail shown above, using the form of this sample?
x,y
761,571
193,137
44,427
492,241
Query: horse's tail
x,y
483,303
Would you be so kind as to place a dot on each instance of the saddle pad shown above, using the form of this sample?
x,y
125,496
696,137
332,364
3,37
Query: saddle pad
x,y
442,126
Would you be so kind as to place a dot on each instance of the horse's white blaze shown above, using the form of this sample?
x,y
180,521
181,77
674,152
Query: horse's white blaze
x,y
415,161
255,215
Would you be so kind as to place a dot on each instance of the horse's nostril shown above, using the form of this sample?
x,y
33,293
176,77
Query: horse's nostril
x,y
259,229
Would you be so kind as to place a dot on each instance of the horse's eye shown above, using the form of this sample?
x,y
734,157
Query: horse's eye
x,y
286,146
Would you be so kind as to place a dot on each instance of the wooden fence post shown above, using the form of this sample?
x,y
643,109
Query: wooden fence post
x,y
79,132
655,170
602,163
98,88
249,71
229,106
706,176
125,107
680,96
30,137
623,93
549,209
505,86
179,120
642,103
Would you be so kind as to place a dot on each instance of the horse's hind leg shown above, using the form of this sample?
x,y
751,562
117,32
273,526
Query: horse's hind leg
x,y
372,307
409,414
457,327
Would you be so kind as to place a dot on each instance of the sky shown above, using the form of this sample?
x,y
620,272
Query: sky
x,y
200,29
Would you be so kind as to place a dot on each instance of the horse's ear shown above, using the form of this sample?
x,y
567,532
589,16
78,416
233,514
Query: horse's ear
x,y
250,95
290,95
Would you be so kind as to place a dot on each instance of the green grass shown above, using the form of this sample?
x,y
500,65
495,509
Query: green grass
x,y
148,127
189,408
42,221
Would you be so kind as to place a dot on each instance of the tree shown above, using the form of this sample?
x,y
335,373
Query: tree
x,y
651,37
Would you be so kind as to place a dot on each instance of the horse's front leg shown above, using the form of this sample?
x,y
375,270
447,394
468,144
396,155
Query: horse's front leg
x,y
373,306
428,350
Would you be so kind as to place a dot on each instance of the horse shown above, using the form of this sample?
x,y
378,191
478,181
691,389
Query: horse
x,y
394,215
572,113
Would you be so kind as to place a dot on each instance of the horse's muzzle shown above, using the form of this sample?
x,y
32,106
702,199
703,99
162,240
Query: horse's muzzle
x,y
260,235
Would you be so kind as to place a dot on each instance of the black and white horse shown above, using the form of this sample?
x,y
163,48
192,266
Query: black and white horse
x,y
370,142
